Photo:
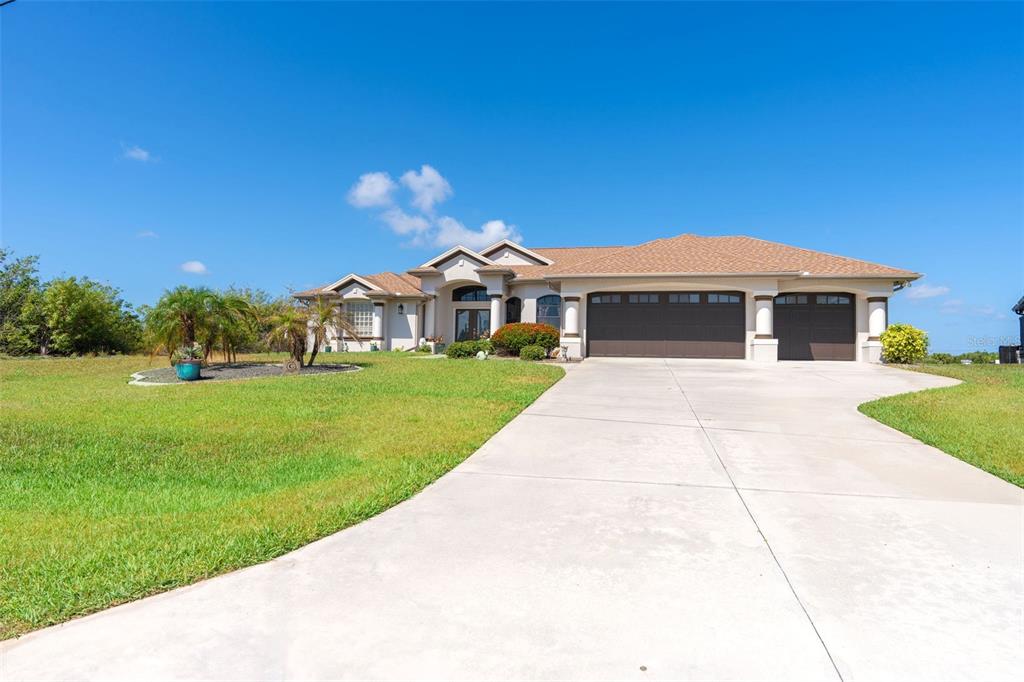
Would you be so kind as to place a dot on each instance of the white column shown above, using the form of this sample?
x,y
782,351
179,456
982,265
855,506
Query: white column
x,y
571,323
876,317
378,321
495,312
764,347
428,319
764,307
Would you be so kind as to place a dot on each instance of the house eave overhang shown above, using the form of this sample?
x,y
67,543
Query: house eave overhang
x,y
351,277
447,255
792,274
519,248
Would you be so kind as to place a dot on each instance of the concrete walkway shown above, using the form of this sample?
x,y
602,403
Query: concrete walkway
x,y
644,519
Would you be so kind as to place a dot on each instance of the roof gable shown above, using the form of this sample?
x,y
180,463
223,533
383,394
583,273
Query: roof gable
x,y
453,253
510,245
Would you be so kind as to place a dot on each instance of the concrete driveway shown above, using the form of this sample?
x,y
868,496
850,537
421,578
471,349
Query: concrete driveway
x,y
644,519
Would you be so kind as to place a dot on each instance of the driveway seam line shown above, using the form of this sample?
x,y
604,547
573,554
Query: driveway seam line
x,y
771,551
594,480
716,428
712,486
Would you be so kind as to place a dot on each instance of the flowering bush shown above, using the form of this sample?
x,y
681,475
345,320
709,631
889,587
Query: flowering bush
x,y
533,353
903,344
511,338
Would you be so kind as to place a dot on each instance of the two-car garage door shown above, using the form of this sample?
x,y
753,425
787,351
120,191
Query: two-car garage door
x,y
684,324
711,324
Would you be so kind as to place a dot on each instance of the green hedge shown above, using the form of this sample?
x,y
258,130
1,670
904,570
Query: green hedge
x,y
533,352
468,349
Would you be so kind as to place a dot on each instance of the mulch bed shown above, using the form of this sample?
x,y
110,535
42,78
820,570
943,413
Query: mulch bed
x,y
238,370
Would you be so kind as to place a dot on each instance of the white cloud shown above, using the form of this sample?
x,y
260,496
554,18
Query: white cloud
x,y
420,225
403,223
451,232
372,189
194,267
147,234
136,153
952,306
923,291
428,188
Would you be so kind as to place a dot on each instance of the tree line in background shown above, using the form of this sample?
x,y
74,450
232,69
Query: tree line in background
x,y
77,316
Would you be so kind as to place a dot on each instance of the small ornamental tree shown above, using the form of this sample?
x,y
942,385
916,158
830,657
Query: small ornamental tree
x,y
512,338
904,344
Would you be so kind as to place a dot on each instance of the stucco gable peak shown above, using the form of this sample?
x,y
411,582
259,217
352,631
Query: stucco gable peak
x,y
452,253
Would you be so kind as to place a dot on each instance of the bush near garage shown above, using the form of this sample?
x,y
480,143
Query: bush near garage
x,y
533,352
468,349
512,338
904,344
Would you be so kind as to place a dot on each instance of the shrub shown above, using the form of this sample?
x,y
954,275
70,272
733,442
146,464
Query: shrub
x,y
424,348
533,352
904,343
941,359
979,357
468,349
512,338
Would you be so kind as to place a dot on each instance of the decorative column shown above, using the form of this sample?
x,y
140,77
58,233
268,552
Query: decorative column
x,y
572,316
764,346
495,312
878,307
570,341
428,319
378,323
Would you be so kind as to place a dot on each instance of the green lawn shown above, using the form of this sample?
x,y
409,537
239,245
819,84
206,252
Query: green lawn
x,y
110,492
980,421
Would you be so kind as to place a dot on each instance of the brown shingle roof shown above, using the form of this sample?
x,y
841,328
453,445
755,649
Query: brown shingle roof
x,y
389,282
693,254
560,257
395,283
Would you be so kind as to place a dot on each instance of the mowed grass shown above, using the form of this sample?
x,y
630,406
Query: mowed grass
x,y
980,421
110,492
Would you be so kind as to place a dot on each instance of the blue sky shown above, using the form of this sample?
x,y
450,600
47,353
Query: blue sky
x,y
139,138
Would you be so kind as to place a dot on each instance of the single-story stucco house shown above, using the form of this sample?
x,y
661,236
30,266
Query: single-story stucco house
x,y
685,296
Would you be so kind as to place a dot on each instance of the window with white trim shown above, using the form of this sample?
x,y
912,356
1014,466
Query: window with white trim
x,y
360,316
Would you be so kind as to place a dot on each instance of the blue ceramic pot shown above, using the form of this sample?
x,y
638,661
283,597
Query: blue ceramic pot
x,y
188,370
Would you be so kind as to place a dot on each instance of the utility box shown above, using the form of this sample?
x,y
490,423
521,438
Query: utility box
x,y
1009,355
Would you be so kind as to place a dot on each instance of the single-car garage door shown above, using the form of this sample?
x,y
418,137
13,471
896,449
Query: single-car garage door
x,y
667,324
815,326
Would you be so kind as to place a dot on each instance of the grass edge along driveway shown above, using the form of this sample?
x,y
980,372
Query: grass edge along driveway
x,y
111,492
978,421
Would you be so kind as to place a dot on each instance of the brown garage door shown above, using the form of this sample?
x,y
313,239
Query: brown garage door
x,y
815,326
666,324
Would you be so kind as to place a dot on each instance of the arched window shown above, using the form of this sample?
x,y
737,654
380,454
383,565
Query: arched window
x,y
549,311
513,310
470,293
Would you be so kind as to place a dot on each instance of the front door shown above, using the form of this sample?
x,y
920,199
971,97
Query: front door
x,y
472,324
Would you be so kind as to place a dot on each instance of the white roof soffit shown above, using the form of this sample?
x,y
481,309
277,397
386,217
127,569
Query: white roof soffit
x,y
351,277
454,250
516,247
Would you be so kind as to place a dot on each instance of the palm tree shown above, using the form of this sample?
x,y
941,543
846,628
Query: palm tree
x,y
174,319
295,324
187,314
288,325
325,315
228,316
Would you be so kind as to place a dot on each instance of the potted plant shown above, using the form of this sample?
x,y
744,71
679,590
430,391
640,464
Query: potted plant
x,y
187,361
